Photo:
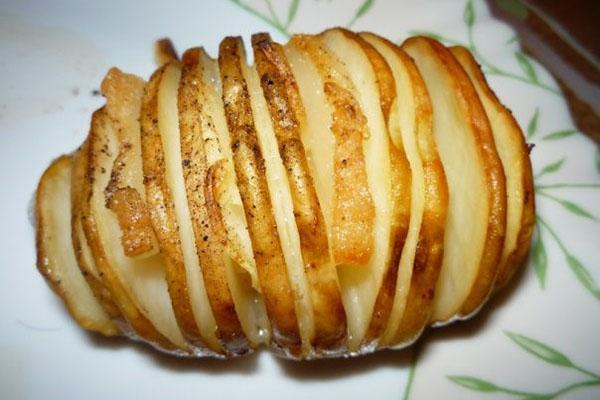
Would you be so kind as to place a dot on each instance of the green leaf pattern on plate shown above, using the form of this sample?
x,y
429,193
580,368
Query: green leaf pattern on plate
x,y
527,75
544,353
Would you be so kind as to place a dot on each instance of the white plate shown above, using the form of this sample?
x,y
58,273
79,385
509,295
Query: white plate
x,y
53,55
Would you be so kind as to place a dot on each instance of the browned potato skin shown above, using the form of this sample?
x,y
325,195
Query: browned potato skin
x,y
250,172
78,171
123,93
353,209
164,51
517,257
209,231
138,322
287,113
162,211
401,192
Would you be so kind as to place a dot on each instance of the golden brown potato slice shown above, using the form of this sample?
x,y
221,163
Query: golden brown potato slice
x,y
333,141
137,285
288,119
170,215
354,131
410,123
511,146
83,254
125,192
223,200
400,182
277,290
55,256
209,229
477,190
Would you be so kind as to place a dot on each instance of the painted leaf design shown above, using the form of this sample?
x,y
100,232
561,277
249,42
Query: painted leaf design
x,y
514,7
526,66
540,258
576,209
560,134
540,350
292,10
583,275
598,159
469,14
533,122
474,383
362,10
552,167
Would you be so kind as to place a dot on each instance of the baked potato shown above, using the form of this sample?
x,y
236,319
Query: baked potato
x,y
336,197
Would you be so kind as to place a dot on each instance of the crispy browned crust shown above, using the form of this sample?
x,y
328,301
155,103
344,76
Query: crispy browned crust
x,y
123,93
164,51
139,323
250,172
353,210
400,191
206,221
287,114
78,170
518,255
162,210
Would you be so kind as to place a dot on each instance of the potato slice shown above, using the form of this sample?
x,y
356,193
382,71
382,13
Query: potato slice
x,y
400,176
410,124
164,52
276,286
288,119
125,192
207,219
224,203
170,215
477,203
514,154
137,285
83,253
55,256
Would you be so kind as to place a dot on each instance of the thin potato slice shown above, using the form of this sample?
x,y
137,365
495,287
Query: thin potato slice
x,y
400,180
224,203
514,154
335,142
477,202
288,119
137,286
411,124
55,256
207,224
125,192
169,211
277,290
83,253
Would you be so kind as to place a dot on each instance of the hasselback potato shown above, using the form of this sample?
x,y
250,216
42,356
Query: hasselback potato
x,y
338,196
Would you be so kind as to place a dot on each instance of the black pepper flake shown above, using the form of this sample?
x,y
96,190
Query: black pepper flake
x,y
205,238
186,162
